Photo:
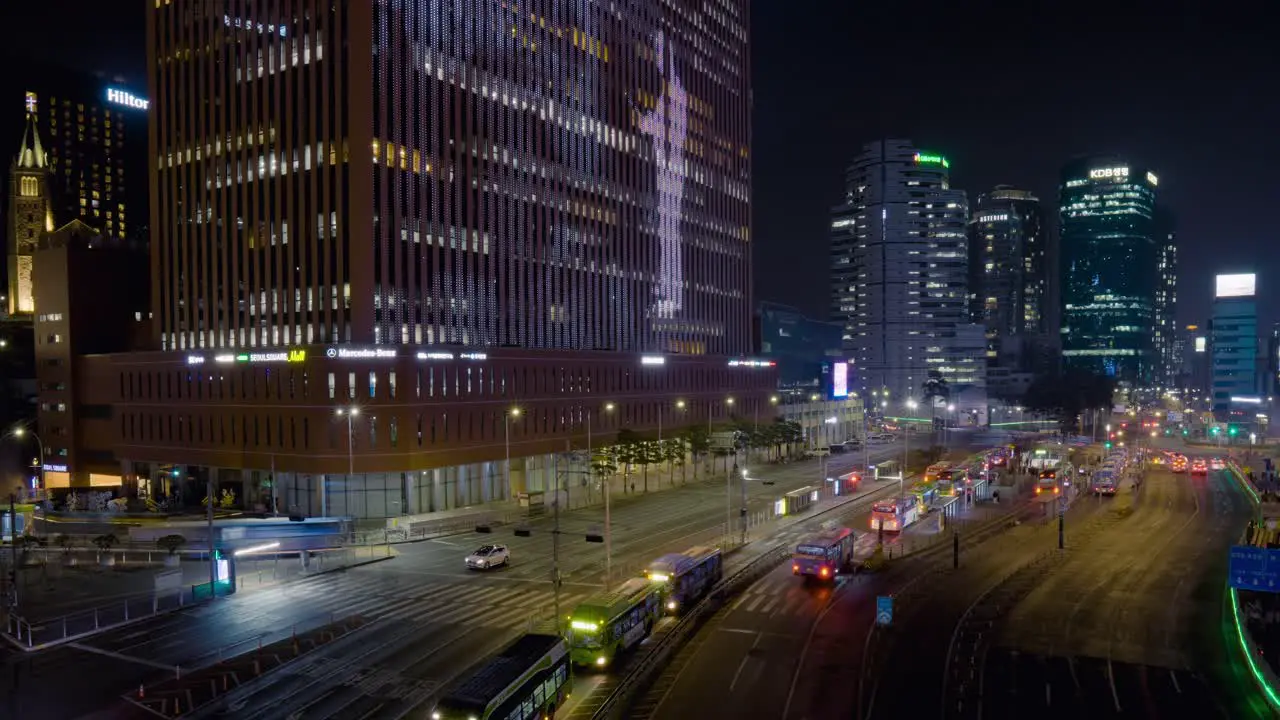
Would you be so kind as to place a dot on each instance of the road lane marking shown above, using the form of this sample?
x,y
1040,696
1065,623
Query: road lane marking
x,y
119,656
1048,695
743,664
443,542
1174,677
1111,678
742,631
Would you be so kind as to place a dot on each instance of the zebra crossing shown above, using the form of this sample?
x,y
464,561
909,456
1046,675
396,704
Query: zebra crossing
x,y
476,601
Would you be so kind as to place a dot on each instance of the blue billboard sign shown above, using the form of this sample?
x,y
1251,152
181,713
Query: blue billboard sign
x,y
1252,568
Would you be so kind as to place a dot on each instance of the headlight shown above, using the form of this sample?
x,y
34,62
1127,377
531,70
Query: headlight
x,y
671,605
600,661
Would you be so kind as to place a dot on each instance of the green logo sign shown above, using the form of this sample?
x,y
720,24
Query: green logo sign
x,y
927,159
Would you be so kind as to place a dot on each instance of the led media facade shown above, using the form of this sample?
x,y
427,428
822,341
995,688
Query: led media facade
x,y
1238,285
552,173
840,380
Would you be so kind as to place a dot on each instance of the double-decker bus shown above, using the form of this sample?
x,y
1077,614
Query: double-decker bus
x,y
895,515
825,554
685,577
528,679
1104,481
607,624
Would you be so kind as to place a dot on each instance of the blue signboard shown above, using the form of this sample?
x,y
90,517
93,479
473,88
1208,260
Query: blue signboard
x,y
1254,568
884,610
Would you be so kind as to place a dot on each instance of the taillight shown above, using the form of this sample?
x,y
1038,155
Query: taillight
x,y
824,572
795,568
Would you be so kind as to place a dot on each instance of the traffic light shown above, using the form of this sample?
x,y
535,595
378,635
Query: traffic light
x,y
1108,445
1231,430
1214,430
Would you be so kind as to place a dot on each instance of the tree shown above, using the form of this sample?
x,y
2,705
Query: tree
x,y
171,543
698,439
627,452
935,391
1067,395
674,451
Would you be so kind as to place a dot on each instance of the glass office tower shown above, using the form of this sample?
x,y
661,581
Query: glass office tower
x,y
1109,260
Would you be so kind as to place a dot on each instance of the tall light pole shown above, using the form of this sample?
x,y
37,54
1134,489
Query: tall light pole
x,y
506,435
21,432
608,526
350,413
906,449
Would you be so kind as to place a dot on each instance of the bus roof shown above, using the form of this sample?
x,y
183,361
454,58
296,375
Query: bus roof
x,y
606,606
504,670
677,563
825,537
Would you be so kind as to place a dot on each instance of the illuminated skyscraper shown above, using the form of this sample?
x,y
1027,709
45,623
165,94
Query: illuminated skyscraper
x,y
1008,267
900,271
1233,348
1109,258
556,174
1167,349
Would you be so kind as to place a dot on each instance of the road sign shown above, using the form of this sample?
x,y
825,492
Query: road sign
x,y
1254,568
884,610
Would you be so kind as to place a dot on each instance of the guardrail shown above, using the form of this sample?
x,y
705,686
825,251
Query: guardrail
x,y
641,674
255,571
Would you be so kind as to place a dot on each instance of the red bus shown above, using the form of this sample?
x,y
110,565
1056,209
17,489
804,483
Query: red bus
x,y
825,554
895,515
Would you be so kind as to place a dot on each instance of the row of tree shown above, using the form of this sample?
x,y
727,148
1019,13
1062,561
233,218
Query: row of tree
x,y
634,449
1069,395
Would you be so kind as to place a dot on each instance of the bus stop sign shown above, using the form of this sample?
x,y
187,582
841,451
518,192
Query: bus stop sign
x,y
884,610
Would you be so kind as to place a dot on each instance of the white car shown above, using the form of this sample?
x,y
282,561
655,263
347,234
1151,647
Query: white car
x,y
488,556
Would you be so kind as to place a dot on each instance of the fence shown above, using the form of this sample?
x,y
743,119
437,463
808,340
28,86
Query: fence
x,y
251,572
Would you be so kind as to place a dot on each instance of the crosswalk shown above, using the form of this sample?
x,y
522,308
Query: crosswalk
x,y
475,601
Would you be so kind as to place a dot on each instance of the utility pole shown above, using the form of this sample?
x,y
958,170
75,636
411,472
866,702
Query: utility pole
x,y
955,550
1061,520
212,568
13,546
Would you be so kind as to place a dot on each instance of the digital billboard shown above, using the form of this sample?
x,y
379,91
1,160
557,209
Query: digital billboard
x,y
840,380
1201,343
1238,285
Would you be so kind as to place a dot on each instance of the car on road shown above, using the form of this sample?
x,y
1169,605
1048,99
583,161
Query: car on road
x,y
487,557
1179,464
1199,467
1217,464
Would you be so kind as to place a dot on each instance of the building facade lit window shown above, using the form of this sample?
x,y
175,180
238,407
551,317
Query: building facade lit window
x,y
1008,267
899,274
1108,262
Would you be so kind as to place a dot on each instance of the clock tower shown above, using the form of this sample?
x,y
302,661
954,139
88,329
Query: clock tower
x,y
30,213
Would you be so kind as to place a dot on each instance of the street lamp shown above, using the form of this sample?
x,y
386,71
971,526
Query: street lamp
x,y
350,413
506,434
21,432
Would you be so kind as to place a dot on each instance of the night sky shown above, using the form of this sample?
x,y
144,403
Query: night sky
x,y
1008,91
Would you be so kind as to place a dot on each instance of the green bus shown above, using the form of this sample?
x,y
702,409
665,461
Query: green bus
x,y
528,679
605,625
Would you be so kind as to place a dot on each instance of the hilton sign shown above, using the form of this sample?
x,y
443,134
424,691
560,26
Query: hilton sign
x,y
129,100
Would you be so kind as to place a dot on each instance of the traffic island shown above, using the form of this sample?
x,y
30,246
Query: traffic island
x,y
183,693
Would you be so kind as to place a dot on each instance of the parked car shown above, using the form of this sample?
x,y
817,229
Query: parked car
x,y
488,556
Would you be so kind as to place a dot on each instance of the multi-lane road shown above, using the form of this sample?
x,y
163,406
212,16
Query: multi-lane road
x,y
1125,622
429,619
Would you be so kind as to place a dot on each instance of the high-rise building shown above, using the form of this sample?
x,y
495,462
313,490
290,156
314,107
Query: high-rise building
x,y
554,175
800,345
95,136
1233,347
1008,271
30,215
900,271
402,252
1108,264
1165,340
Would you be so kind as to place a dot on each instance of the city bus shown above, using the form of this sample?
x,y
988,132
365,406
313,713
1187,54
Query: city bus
x,y
530,678
924,494
685,577
1047,484
934,471
609,623
825,554
1104,482
895,515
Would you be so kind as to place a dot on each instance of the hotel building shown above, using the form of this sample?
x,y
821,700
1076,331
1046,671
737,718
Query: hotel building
x,y
391,248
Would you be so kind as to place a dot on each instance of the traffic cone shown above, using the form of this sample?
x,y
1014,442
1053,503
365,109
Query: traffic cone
x,y
142,691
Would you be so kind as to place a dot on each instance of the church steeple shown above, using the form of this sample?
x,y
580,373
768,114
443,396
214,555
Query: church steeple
x,y
31,156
